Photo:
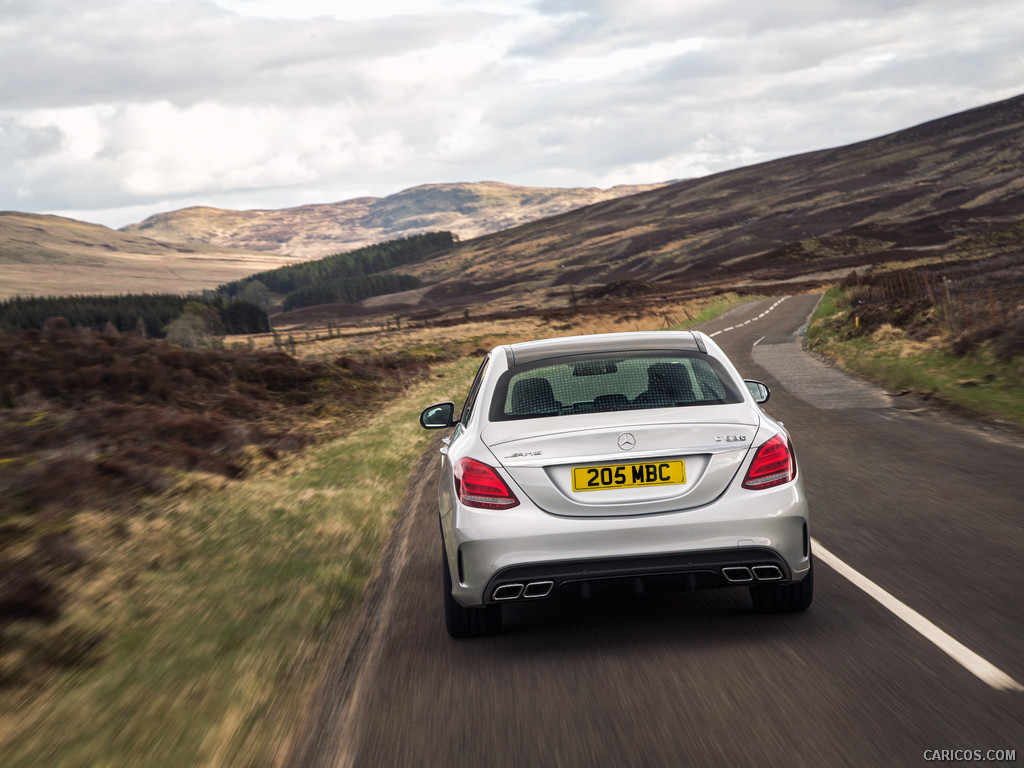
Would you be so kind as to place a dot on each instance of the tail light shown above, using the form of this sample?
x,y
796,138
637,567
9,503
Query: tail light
x,y
773,464
479,485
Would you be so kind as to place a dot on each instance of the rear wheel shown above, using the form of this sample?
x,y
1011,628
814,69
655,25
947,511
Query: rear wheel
x,y
467,622
784,598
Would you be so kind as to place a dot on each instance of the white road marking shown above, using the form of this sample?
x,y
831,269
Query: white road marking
x,y
734,327
960,653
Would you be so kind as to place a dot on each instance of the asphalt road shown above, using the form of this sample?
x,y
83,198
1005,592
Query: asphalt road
x,y
929,511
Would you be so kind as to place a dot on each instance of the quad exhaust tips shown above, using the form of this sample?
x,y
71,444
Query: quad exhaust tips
x,y
531,590
743,575
733,574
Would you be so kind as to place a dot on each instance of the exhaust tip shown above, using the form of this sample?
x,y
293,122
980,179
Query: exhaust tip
x,y
767,572
538,589
508,592
737,574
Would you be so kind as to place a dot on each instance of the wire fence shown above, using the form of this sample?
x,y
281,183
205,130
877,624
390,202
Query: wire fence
x,y
978,299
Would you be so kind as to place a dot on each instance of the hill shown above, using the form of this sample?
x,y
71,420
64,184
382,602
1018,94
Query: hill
x,y
948,189
52,255
315,231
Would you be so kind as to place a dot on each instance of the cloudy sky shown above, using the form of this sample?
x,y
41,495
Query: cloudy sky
x,y
111,110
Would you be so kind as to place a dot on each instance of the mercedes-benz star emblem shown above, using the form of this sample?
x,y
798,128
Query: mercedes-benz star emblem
x,y
626,441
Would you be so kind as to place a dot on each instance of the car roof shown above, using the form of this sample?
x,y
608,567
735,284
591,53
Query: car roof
x,y
634,341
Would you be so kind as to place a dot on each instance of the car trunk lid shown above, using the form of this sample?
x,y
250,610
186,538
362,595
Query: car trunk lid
x,y
614,464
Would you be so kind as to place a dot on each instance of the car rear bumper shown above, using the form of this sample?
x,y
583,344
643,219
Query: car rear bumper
x,y
693,570
524,553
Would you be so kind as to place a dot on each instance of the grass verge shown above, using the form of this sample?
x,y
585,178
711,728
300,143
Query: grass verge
x,y
196,625
978,381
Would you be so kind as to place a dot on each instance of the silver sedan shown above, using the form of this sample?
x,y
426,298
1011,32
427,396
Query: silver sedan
x,y
616,460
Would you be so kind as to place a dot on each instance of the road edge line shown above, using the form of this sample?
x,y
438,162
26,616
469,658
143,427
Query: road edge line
x,y
959,652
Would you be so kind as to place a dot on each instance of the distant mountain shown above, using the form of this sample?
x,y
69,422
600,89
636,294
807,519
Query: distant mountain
x,y
52,255
199,248
314,231
948,189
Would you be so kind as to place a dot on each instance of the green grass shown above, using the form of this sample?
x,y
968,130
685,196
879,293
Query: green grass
x,y
206,610
713,308
979,382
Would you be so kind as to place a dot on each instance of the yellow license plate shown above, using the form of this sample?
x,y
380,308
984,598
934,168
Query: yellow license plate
x,y
628,475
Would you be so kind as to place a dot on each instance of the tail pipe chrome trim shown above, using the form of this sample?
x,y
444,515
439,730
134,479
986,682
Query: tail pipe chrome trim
x,y
737,574
767,572
532,589
508,592
538,589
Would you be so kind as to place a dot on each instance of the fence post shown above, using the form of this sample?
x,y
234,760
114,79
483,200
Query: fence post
x,y
963,311
948,304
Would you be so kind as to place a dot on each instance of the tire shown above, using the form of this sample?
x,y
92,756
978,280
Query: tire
x,y
467,622
784,598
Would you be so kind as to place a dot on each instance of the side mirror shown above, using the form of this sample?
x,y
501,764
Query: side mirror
x,y
758,391
438,416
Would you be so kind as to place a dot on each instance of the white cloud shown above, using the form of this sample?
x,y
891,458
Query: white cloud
x,y
622,60
120,108
379,9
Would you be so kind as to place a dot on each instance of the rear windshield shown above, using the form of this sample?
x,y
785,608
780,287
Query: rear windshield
x,y
597,384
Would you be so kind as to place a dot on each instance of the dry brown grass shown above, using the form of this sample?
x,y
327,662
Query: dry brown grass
x,y
130,273
888,332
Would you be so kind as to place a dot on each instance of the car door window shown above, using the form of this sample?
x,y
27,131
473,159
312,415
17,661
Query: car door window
x,y
469,407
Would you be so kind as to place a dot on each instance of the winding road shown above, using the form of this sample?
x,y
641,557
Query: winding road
x,y
914,644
